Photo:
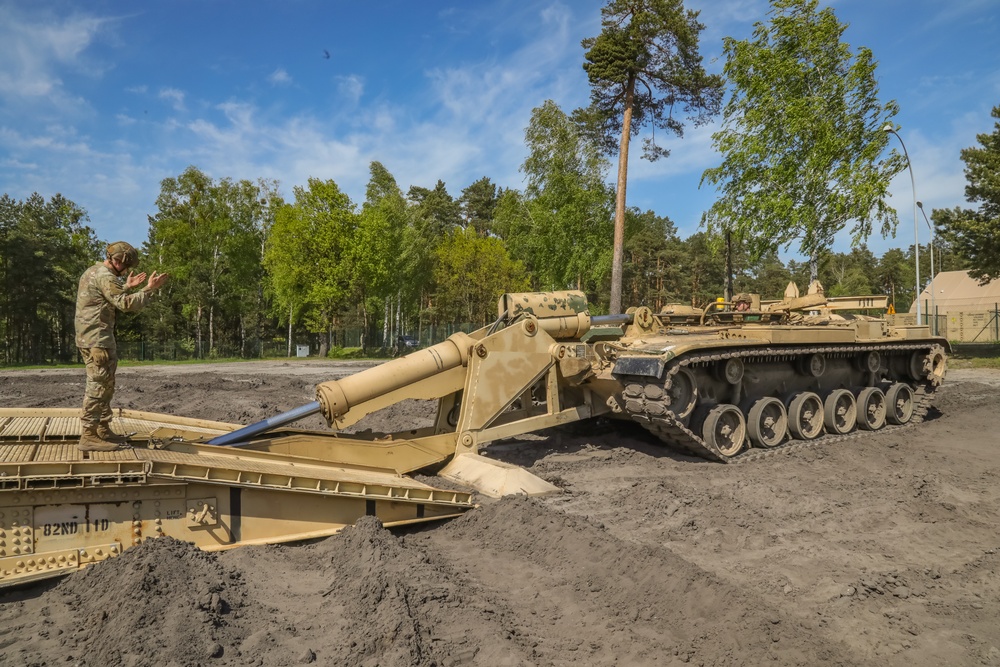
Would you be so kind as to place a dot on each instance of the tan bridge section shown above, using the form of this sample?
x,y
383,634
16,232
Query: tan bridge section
x,y
61,509
63,424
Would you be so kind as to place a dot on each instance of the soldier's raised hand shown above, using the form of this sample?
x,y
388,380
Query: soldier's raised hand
x,y
134,280
156,280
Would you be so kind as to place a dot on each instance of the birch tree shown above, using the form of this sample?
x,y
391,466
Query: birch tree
x,y
802,145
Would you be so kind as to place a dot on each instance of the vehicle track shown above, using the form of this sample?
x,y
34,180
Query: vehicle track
x,y
651,409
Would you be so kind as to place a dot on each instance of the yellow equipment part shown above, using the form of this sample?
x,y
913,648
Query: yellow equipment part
x,y
61,509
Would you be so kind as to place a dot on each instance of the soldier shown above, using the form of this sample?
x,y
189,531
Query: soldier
x,y
743,302
103,290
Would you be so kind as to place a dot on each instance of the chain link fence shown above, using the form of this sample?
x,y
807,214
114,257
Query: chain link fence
x,y
963,326
344,342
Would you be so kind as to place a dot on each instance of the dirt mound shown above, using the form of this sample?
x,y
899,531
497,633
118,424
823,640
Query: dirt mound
x,y
608,601
54,390
416,610
161,602
173,595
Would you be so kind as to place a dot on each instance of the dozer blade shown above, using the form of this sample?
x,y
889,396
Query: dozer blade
x,y
62,509
495,478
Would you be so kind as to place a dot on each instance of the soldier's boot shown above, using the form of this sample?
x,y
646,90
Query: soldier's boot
x,y
90,441
104,432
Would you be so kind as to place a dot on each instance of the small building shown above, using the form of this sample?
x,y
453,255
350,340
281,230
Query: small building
x,y
966,310
957,291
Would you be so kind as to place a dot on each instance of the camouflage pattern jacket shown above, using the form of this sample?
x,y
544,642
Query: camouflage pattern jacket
x,y
101,293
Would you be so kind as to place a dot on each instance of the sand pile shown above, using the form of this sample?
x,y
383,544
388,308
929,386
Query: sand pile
x,y
163,602
604,600
401,606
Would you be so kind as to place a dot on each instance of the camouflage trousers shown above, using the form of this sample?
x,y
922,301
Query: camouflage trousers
x,y
101,366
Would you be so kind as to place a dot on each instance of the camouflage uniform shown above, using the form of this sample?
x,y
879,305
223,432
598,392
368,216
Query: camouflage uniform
x,y
742,302
101,294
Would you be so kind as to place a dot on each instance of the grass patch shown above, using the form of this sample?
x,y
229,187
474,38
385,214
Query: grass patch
x,y
188,362
974,362
974,355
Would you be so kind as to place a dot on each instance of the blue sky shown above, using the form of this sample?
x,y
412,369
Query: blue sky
x,y
101,100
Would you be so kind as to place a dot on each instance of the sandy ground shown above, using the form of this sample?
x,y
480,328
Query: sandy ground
x,y
879,551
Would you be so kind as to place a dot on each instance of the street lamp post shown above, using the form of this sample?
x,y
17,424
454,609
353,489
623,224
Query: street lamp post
x,y
930,227
916,244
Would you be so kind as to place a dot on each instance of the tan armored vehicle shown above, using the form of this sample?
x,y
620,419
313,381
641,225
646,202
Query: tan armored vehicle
x,y
725,383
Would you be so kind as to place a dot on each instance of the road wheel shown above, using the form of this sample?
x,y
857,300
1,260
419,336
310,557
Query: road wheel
x,y
725,429
805,416
683,394
899,403
871,409
767,422
840,412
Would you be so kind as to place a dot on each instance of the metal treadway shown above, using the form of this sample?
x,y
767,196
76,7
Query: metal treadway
x,y
62,509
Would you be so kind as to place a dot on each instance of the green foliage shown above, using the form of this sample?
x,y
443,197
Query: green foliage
x,y
653,256
436,213
895,277
338,352
982,170
379,265
208,235
802,136
852,273
559,228
700,271
306,255
768,277
250,270
974,355
44,248
975,234
646,63
471,272
478,201
378,239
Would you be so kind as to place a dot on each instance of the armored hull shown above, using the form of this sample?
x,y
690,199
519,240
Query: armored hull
x,y
734,386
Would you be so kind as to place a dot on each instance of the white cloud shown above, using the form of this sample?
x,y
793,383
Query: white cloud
x,y
33,48
279,77
17,164
174,96
351,87
938,170
104,179
468,124
481,109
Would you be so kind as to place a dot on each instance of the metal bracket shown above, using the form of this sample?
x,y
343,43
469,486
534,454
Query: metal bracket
x,y
202,513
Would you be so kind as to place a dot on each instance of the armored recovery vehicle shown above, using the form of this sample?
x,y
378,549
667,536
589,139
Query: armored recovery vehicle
x,y
728,383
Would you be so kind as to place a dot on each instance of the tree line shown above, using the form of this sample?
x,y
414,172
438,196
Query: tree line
x,y
247,266
803,155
